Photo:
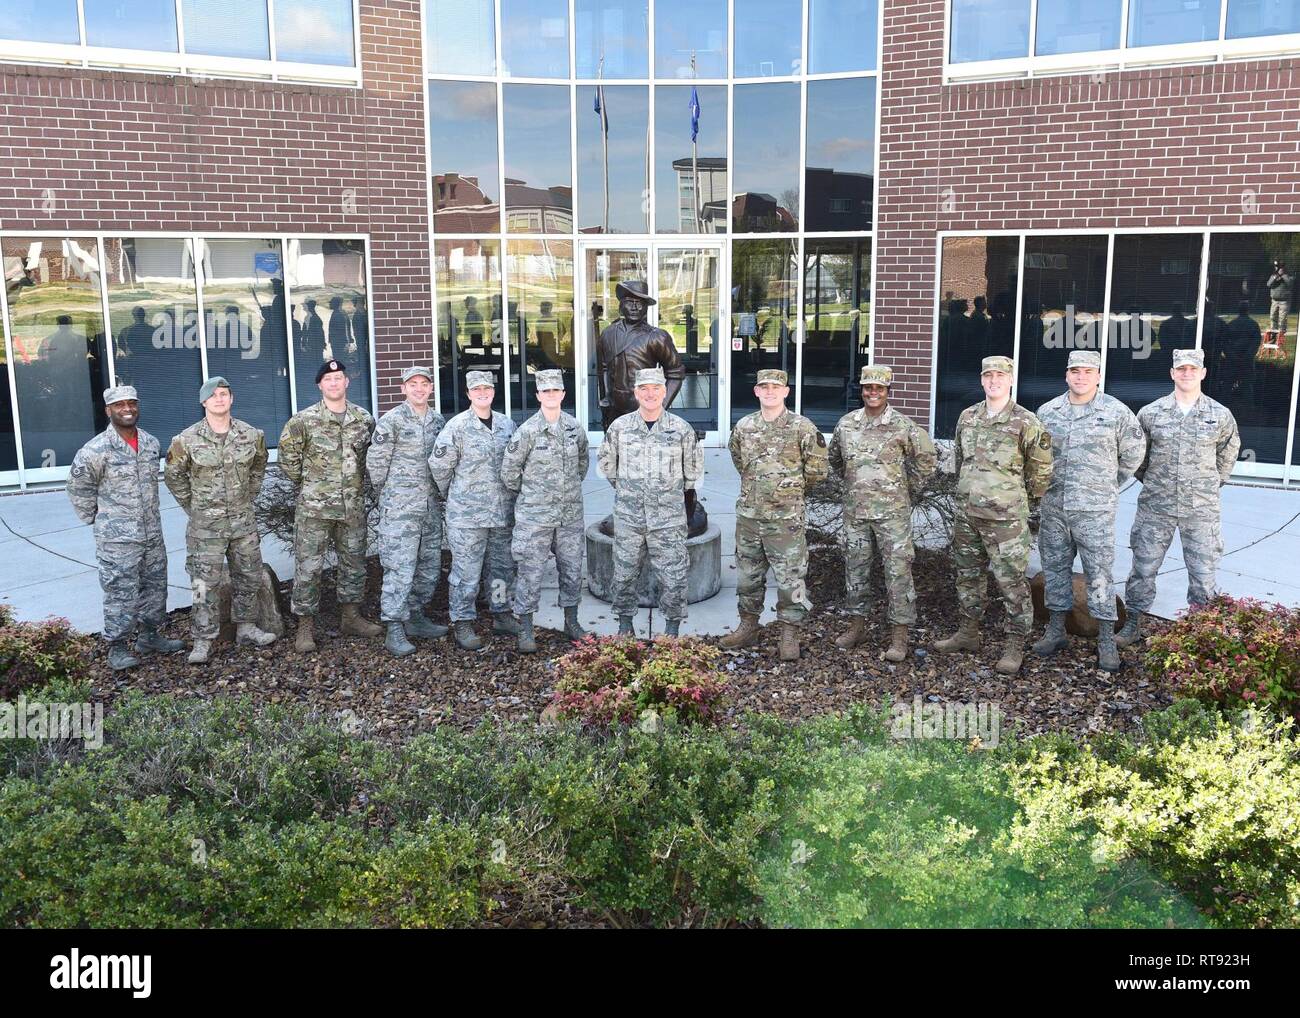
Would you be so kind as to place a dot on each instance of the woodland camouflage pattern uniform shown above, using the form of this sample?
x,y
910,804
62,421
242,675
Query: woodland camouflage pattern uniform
x,y
650,469
1002,462
115,488
545,465
215,479
410,511
885,462
777,462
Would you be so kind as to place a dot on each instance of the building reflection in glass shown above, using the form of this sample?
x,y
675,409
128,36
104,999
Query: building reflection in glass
x,y
540,316
468,276
837,326
763,301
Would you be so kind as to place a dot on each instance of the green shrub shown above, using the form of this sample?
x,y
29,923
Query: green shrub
x,y
1233,652
33,654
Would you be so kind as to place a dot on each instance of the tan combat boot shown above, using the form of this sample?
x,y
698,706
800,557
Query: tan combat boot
x,y
854,635
745,634
966,638
305,641
352,624
789,642
897,644
1013,653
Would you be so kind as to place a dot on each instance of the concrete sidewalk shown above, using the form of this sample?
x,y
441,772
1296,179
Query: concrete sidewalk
x,y
47,556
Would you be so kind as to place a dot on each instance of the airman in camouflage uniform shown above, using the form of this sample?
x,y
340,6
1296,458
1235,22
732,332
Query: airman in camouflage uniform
x,y
1004,459
1192,444
779,455
410,512
1097,443
114,486
214,469
466,466
545,465
885,460
650,457
323,452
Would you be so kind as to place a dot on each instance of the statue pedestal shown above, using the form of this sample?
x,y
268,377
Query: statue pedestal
x,y
703,580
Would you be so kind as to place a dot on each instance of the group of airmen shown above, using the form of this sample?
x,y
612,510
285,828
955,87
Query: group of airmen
x,y
507,499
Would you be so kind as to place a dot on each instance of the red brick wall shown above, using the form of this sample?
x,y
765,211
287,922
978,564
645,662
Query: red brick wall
x,y
1204,145
125,151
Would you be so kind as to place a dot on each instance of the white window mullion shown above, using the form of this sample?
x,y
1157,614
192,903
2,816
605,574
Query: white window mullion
x,y
5,322
270,28
1123,31
103,304
434,364
1033,37
288,323
797,333
198,247
1020,296
81,31
649,196
1104,339
1203,290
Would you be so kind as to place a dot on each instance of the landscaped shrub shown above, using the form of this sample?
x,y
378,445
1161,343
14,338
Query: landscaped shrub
x,y
1233,652
33,654
609,680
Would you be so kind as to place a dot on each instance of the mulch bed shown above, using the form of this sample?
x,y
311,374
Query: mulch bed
x,y
440,684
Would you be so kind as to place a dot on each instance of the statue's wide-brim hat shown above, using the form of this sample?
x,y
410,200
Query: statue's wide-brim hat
x,y
634,288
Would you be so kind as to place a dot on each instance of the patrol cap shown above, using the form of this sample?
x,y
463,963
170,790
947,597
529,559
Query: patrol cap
x,y
474,379
210,386
118,393
1196,357
551,378
416,369
1005,364
774,376
329,367
650,376
1084,359
876,374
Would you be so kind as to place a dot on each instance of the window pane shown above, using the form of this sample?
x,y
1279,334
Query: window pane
x,y
540,274
840,169
605,269
686,27
612,195
1248,18
243,288
8,434
766,187
763,298
977,281
539,180
1154,283
154,323
989,30
56,328
1160,22
841,35
48,21
680,164
1077,26
460,37
469,318
314,32
618,29
688,311
227,28
327,282
837,327
535,38
1063,304
463,148
143,24
1250,334
769,38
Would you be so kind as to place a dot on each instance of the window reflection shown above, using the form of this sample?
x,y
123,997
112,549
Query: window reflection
x,y
535,38
988,30
1247,18
841,35
766,147
769,38
837,327
604,269
8,434
1162,22
327,282
51,21
314,32
56,331
684,169
763,299
1067,26
142,24
539,182
612,186
686,29
463,143
540,273
469,318
612,38
459,37
688,311
840,173
227,28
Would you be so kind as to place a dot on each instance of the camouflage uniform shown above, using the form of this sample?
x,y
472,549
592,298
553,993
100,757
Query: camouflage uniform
x,y
885,462
1002,462
1096,446
466,466
1189,457
326,460
215,479
650,469
115,488
545,465
410,512
777,461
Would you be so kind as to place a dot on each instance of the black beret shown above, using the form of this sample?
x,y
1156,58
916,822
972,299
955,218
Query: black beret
x,y
329,366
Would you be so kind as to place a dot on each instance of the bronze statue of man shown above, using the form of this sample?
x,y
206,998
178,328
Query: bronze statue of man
x,y
626,346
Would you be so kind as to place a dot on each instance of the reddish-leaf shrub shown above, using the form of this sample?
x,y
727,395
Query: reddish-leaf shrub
x,y
33,654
